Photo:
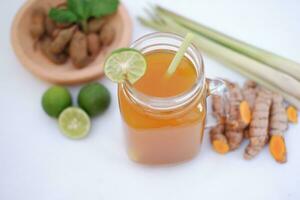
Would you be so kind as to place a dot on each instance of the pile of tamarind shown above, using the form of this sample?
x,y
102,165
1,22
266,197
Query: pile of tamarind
x,y
254,114
59,42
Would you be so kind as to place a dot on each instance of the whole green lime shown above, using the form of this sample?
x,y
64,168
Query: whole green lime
x,y
94,98
55,100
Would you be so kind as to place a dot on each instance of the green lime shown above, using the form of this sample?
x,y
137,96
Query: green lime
x,y
74,123
94,98
124,64
55,100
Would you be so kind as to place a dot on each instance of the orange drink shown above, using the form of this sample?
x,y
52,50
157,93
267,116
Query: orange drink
x,y
155,82
164,117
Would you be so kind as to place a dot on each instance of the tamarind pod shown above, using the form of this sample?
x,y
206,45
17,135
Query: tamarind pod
x,y
63,25
95,25
37,25
55,58
55,33
62,39
93,44
50,26
78,50
107,35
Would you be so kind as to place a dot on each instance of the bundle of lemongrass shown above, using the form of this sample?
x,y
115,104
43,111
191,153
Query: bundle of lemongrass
x,y
271,71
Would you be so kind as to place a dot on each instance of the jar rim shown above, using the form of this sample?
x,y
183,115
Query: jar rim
x,y
172,102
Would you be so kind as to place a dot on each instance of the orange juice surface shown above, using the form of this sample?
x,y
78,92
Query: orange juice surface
x,y
155,137
156,83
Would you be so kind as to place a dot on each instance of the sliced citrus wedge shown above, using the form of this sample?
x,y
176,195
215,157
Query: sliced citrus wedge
x,y
125,64
74,123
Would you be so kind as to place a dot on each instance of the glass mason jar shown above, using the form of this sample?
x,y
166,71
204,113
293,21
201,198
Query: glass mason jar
x,y
166,130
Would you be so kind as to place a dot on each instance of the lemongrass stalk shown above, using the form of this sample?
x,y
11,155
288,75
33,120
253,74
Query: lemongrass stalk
x,y
278,62
245,63
291,99
180,54
280,80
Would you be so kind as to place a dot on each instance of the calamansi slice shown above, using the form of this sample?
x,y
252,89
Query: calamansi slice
x,y
74,123
125,64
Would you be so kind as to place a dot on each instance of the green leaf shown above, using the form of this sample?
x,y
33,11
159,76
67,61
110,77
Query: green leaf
x,y
98,8
82,10
62,15
79,7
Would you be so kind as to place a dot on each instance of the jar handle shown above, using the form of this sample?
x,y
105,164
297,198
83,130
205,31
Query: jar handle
x,y
216,86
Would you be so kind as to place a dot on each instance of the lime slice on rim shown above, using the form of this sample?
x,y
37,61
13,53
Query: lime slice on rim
x,y
125,64
74,123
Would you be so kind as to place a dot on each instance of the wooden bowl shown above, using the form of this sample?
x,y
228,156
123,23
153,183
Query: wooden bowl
x,y
65,74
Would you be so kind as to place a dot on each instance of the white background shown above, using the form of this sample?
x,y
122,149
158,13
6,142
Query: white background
x,y
38,163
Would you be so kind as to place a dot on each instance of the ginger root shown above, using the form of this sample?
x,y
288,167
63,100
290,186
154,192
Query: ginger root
x,y
238,116
250,93
253,113
292,114
277,148
278,125
245,113
217,137
258,131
